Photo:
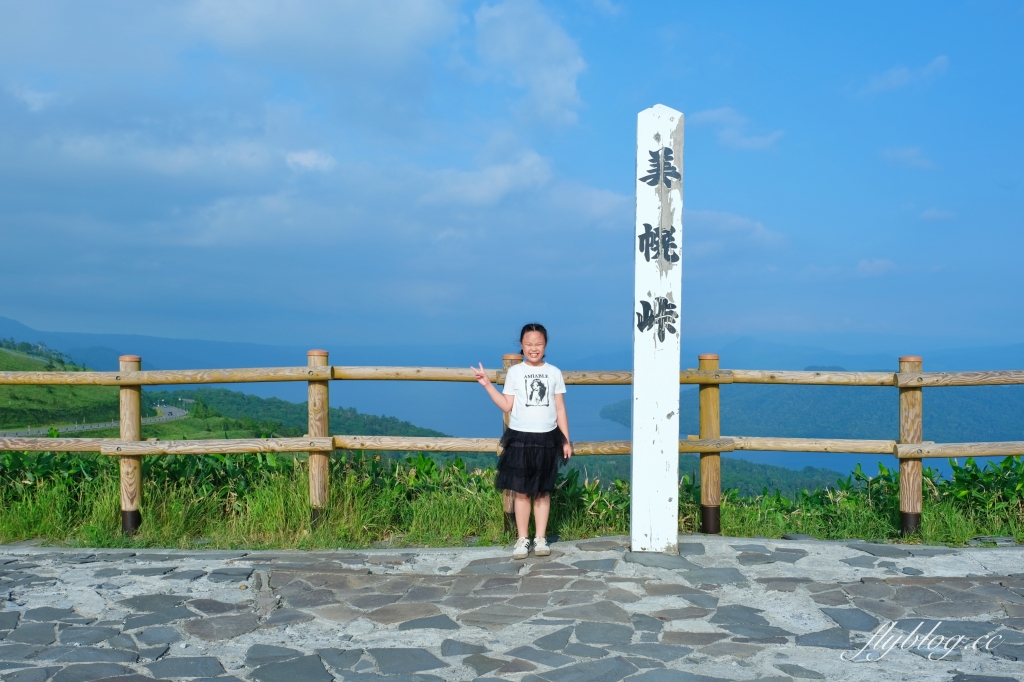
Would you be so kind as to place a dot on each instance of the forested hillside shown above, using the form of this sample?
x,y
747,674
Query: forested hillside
x,y
33,406
238,405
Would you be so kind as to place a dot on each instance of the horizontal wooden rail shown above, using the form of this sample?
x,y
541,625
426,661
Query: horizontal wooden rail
x,y
761,376
863,447
458,374
948,450
166,377
55,444
926,379
236,446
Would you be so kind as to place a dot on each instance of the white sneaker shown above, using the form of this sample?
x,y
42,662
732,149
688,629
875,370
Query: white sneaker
x,y
540,547
522,548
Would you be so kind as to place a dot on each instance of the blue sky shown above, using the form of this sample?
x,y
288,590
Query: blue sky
x,y
424,171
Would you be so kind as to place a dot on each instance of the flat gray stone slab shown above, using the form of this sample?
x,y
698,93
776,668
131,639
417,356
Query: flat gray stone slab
x,y
9,619
691,549
185,575
740,614
441,622
852,619
481,664
296,670
453,647
33,633
603,633
799,671
596,564
194,666
161,634
658,560
833,638
31,674
496,616
402,660
230,574
886,551
285,617
88,672
715,576
149,603
605,670
548,658
340,658
602,611
222,627
212,607
659,652
158,618
50,614
86,635
555,640
261,654
860,561
88,654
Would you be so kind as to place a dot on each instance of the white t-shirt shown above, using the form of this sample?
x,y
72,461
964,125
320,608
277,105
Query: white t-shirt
x,y
534,388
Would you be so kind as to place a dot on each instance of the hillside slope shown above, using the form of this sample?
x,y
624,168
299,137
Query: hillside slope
x,y
238,405
24,406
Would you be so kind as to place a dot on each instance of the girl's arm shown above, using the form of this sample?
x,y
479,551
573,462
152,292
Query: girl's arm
x,y
500,399
563,423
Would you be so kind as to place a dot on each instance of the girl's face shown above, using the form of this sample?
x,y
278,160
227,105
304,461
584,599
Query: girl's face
x,y
533,347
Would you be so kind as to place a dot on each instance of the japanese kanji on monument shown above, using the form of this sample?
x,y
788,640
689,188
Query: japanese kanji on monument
x,y
654,506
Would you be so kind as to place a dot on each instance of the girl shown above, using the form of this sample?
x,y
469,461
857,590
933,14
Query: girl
x,y
536,441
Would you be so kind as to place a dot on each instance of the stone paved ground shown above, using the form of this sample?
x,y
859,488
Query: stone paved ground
x,y
725,609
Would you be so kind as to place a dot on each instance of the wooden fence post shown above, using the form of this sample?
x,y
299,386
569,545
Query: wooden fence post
x,y
911,431
508,497
710,462
319,427
131,467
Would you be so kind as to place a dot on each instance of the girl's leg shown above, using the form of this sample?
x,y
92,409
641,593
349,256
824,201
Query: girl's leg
x,y
522,505
541,507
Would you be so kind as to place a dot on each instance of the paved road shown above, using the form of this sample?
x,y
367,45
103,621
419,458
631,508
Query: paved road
x,y
170,414
725,609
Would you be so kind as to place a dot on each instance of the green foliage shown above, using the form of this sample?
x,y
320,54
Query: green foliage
x,y
36,406
238,405
260,500
54,359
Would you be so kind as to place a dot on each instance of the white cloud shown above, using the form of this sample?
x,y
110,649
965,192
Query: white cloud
x,y
607,6
379,32
908,157
310,160
35,100
707,233
518,39
731,129
901,77
487,185
937,214
874,267
137,151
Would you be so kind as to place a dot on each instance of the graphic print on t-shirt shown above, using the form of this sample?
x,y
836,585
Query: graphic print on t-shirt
x,y
537,390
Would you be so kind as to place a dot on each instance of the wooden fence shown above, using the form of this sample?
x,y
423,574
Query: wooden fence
x,y
910,449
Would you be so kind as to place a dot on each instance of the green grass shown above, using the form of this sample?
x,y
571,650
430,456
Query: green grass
x,y
261,501
42,406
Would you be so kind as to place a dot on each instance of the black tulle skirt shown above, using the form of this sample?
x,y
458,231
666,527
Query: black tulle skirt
x,y
529,461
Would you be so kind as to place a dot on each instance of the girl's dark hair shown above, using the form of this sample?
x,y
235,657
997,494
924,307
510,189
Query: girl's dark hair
x,y
533,327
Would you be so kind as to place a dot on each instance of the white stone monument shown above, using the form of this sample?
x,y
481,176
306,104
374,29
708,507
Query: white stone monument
x,y
657,250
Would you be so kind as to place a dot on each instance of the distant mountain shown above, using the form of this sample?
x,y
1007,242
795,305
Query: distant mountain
x,y
951,415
